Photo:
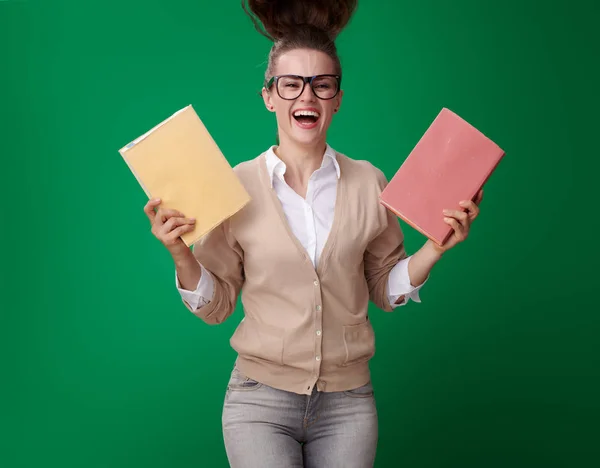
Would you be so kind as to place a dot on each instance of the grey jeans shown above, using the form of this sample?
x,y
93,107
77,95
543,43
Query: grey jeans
x,y
264,427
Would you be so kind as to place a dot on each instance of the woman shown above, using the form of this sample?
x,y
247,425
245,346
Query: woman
x,y
306,254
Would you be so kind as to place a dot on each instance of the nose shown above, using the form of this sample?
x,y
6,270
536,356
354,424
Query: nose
x,y
307,94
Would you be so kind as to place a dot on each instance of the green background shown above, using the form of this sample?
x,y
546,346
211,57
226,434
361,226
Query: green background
x,y
102,366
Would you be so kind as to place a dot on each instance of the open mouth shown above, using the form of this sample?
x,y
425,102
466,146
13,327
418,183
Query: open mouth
x,y
306,118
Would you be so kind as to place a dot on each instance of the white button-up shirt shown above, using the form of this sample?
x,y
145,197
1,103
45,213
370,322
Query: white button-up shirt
x,y
310,220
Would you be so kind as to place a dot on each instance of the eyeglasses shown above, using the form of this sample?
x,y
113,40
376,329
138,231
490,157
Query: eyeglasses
x,y
290,87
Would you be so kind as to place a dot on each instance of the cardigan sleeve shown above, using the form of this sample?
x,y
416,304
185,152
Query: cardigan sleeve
x,y
222,257
383,252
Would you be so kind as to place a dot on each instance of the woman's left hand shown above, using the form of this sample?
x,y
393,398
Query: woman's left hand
x,y
461,221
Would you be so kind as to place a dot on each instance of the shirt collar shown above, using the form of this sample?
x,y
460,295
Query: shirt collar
x,y
276,166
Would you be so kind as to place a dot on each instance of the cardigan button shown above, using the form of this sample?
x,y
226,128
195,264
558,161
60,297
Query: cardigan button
x,y
318,308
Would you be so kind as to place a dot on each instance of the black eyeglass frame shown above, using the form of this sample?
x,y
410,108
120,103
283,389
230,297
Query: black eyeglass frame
x,y
305,79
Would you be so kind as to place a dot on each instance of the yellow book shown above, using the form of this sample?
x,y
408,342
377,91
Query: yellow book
x,y
179,162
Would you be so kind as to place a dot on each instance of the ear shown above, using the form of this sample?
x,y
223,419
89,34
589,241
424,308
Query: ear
x,y
338,100
268,100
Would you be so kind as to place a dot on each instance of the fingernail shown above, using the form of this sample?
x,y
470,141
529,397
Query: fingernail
x,y
446,219
193,220
446,211
462,202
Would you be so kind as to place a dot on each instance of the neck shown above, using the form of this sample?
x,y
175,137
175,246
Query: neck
x,y
300,160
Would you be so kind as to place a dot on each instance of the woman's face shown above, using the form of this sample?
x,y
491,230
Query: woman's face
x,y
303,119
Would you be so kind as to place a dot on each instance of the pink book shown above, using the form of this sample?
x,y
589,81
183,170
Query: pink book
x,y
451,162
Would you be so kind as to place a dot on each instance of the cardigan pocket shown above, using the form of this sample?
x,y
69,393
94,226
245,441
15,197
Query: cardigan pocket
x,y
257,341
359,341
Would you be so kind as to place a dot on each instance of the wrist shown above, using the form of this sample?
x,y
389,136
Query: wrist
x,y
434,251
180,254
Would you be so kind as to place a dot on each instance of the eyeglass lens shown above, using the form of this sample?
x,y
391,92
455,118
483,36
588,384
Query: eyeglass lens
x,y
290,87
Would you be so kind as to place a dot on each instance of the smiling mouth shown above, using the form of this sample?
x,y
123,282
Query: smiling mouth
x,y
306,118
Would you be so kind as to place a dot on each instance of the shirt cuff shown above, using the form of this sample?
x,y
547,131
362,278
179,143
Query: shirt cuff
x,y
203,293
399,284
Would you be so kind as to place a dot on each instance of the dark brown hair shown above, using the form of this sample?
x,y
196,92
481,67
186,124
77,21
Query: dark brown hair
x,y
300,24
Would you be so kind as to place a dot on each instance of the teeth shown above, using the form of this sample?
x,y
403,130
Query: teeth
x,y
306,112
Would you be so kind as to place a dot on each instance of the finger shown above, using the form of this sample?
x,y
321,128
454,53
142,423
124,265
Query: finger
x,y
471,207
178,232
455,225
461,216
458,228
477,201
149,208
165,214
479,197
174,222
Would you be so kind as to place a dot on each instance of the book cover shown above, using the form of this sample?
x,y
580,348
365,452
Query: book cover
x,y
179,162
451,162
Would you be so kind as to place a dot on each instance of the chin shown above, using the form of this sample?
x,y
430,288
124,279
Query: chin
x,y
307,137
307,140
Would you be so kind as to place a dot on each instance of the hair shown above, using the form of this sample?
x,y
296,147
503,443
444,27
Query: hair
x,y
300,24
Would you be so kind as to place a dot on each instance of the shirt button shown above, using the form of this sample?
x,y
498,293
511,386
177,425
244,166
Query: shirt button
x,y
318,358
316,283
318,332
318,308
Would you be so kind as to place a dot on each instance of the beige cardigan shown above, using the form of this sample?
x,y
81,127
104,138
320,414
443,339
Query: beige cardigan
x,y
323,336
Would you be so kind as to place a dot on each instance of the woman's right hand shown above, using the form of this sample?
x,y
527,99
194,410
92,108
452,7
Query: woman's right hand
x,y
168,225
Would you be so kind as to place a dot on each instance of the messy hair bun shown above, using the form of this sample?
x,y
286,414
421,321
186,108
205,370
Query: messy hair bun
x,y
278,20
300,24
